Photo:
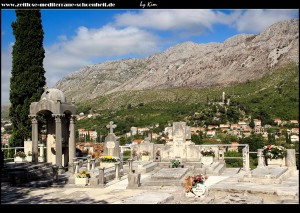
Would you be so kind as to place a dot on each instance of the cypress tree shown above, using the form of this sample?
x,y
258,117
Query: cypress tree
x,y
27,80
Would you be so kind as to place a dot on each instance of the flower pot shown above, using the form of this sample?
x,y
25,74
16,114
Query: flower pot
x,y
276,162
81,181
19,159
145,158
106,165
207,160
29,158
199,189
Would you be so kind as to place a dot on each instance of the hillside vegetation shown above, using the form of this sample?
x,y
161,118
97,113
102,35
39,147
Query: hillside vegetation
x,y
274,95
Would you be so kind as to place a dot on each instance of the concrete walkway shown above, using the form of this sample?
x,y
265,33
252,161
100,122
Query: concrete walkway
x,y
115,192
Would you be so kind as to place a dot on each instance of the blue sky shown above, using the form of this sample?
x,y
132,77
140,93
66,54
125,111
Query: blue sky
x,y
77,37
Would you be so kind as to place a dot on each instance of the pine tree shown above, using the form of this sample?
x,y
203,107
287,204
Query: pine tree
x,y
27,80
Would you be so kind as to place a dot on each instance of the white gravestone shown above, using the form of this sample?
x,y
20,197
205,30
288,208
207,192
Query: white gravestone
x,y
110,145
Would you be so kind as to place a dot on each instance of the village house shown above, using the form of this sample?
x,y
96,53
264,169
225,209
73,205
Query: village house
x,y
257,122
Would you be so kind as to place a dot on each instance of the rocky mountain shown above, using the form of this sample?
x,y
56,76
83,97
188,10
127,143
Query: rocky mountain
x,y
239,59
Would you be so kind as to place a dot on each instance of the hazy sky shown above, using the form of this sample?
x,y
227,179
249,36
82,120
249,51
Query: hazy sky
x,y
77,37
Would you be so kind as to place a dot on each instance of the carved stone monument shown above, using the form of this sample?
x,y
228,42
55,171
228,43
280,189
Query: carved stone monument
x,y
111,144
60,123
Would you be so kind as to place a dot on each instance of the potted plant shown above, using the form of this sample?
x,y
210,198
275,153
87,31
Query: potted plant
x,y
274,155
82,178
29,157
207,156
145,155
175,163
108,161
19,156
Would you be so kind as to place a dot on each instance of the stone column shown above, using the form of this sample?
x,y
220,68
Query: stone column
x,y
88,164
246,165
101,177
58,141
72,142
76,167
93,163
117,170
42,155
35,152
130,161
290,158
260,158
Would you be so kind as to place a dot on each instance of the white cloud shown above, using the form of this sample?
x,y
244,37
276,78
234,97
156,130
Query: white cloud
x,y
257,20
189,20
90,45
203,20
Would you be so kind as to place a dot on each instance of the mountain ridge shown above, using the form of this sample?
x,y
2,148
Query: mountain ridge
x,y
238,59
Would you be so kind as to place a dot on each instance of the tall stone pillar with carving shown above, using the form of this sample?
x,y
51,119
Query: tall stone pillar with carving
x,y
58,143
246,163
35,152
72,142
260,158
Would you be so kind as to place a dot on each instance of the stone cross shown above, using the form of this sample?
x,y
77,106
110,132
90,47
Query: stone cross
x,y
111,126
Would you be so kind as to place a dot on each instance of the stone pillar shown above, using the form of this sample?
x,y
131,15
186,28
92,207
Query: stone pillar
x,y
290,158
117,170
72,142
221,154
42,155
58,141
246,165
35,151
88,164
93,163
101,177
75,166
260,158
130,161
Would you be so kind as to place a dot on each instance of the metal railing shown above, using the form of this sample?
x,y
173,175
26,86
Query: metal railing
x,y
11,151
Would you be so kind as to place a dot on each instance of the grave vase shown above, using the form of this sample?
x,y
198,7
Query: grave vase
x,y
106,164
207,160
81,181
276,162
145,158
19,159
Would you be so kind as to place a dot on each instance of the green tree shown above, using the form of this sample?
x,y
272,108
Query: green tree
x,y
27,80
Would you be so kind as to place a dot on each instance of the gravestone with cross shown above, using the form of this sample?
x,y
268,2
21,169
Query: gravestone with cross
x,y
111,144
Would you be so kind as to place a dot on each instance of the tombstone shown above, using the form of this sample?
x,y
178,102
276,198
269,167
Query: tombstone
x,y
134,180
94,180
188,133
101,177
111,145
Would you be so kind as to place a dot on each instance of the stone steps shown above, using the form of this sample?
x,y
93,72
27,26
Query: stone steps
x,y
27,173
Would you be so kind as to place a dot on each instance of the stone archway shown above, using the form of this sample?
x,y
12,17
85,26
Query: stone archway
x,y
60,120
